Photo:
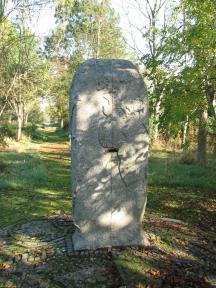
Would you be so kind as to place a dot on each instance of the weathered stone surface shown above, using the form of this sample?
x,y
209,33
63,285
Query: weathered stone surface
x,y
109,154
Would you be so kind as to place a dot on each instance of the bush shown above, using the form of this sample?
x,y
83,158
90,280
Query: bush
x,y
30,130
3,165
34,133
187,158
6,131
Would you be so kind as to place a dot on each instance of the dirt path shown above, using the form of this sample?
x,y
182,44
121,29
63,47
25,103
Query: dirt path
x,y
54,148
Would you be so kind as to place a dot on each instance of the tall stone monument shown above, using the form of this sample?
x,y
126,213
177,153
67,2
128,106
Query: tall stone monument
x,y
109,117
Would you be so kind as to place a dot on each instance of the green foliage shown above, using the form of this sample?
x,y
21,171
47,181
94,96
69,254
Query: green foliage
x,y
189,53
60,88
31,130
180,64
85,29
35,115
6,131
23,73
187,158
91,29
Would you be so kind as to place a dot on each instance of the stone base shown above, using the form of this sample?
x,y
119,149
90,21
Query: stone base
x,y
95,241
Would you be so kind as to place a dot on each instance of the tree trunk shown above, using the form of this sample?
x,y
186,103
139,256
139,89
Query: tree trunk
x,y
62,123
214,108
25,122
202,139
2,108
185,132
19,122
23,118
19,128
10,119
157,116
98,39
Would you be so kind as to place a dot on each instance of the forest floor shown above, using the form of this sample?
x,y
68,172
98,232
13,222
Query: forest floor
x,y
35,223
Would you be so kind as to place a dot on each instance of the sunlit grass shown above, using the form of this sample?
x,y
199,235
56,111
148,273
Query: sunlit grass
x,y
165,170
177,191
181,191
37,183
34,184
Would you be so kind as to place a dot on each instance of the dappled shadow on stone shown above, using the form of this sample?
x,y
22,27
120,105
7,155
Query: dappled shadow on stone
x,y
109,154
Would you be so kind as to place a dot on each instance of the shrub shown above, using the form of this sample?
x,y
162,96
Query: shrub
x,y
187,158
6,131
30,130
3,165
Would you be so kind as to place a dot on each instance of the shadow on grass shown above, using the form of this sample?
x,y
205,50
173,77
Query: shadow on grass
x,y
185,192
51,135
35,184
48,264
155,268
37,255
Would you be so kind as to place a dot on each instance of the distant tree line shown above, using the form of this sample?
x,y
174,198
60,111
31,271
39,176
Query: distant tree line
x,y
178,54
180,62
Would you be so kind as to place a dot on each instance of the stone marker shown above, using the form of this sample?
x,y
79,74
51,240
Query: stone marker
x,y
109,154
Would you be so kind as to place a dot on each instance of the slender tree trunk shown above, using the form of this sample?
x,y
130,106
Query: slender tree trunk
x,y
202,138
98,39
185,131
19,123
157,116
2,108
23,118
26,119
10,119
19,128
214,109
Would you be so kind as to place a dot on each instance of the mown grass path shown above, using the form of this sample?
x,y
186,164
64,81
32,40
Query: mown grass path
x,y
36,181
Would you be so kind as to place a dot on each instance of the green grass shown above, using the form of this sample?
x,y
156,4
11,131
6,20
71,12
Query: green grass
x,y
186,192
44,135
165,170
179,191
35,184
38,183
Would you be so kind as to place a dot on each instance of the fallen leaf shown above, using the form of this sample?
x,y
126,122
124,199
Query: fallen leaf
x,y
152,272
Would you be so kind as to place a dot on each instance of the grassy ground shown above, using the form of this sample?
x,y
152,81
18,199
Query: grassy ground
x,y
36,182
182,191
179,252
